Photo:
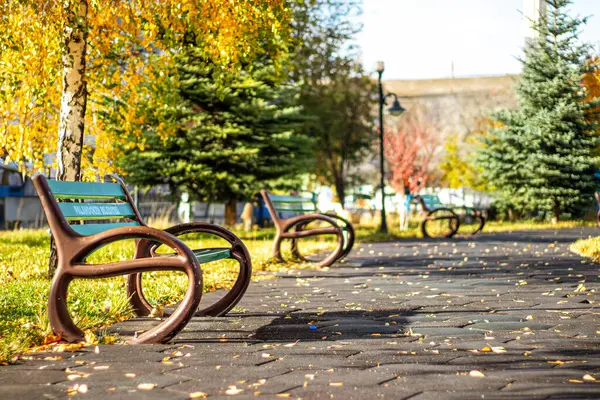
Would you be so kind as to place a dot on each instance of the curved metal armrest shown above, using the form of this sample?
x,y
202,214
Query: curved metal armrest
x,y
307,218
88,244
238,251
71,266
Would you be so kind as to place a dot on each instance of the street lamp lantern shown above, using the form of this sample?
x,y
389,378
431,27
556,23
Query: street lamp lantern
x,y
395,109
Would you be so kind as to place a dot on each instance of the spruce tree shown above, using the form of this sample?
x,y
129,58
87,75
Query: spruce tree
x,y
542,157
233,139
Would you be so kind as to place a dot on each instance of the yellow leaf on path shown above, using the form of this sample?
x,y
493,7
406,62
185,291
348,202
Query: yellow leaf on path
x,y
588,377
233,390
498,349
198,395
336,384
157,312
146,386
580,288
285,395
476,374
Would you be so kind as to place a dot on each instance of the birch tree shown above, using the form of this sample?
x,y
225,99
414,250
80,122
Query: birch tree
x,y
60,57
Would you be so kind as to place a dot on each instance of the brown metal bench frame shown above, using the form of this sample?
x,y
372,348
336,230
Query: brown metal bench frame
x,y
430,215
73,248
453,218
295,228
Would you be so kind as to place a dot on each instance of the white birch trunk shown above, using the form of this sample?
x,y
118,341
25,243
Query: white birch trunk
x,y
72,104
74,94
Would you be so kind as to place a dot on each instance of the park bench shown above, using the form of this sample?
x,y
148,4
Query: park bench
x,y
303,211
84,216
441,221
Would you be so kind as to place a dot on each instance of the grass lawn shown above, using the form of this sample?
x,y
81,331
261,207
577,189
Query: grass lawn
x,y
98,303
589,247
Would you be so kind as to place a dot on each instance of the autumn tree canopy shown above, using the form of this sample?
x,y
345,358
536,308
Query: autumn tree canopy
x,y
62,60
409,150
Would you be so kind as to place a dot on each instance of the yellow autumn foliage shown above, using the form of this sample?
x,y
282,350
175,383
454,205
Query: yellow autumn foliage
x,y
130,43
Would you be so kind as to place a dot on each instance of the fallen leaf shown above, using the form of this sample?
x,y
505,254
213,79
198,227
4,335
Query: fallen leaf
x,y
198,395
146,386
498,349
336,384
156,312
580,288
476,374
233,390
588,377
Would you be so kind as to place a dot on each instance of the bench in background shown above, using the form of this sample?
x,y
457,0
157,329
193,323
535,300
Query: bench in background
x,y
292,216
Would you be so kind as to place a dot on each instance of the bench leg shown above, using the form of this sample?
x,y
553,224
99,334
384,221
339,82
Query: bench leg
x,y
60,319
277,248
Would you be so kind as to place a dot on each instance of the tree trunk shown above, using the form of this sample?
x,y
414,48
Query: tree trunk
x,y
231,213
340,190
555,213
73,101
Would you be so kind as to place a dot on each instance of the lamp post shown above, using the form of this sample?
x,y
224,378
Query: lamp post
x,y
395,109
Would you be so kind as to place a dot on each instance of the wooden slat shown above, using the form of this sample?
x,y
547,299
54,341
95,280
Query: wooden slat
x,y
95,211
85,190
290,199
432,200
91,229
208,255
295,207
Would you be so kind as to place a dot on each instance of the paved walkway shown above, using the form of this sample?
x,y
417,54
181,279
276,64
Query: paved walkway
x,y
499,316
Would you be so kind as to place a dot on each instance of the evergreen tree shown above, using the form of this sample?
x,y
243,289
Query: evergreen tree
x,y
232,140
335,90
542,157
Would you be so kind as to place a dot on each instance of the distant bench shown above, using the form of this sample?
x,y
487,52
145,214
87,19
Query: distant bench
x,y
304,211
81,216
442,221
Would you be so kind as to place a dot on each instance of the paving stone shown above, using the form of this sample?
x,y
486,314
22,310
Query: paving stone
x,y
412,330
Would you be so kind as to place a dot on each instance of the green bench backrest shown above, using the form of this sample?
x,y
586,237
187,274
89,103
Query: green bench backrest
x,y
432,201
294,204
114,206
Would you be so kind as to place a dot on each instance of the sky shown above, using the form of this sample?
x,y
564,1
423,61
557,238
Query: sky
x,y
422,39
